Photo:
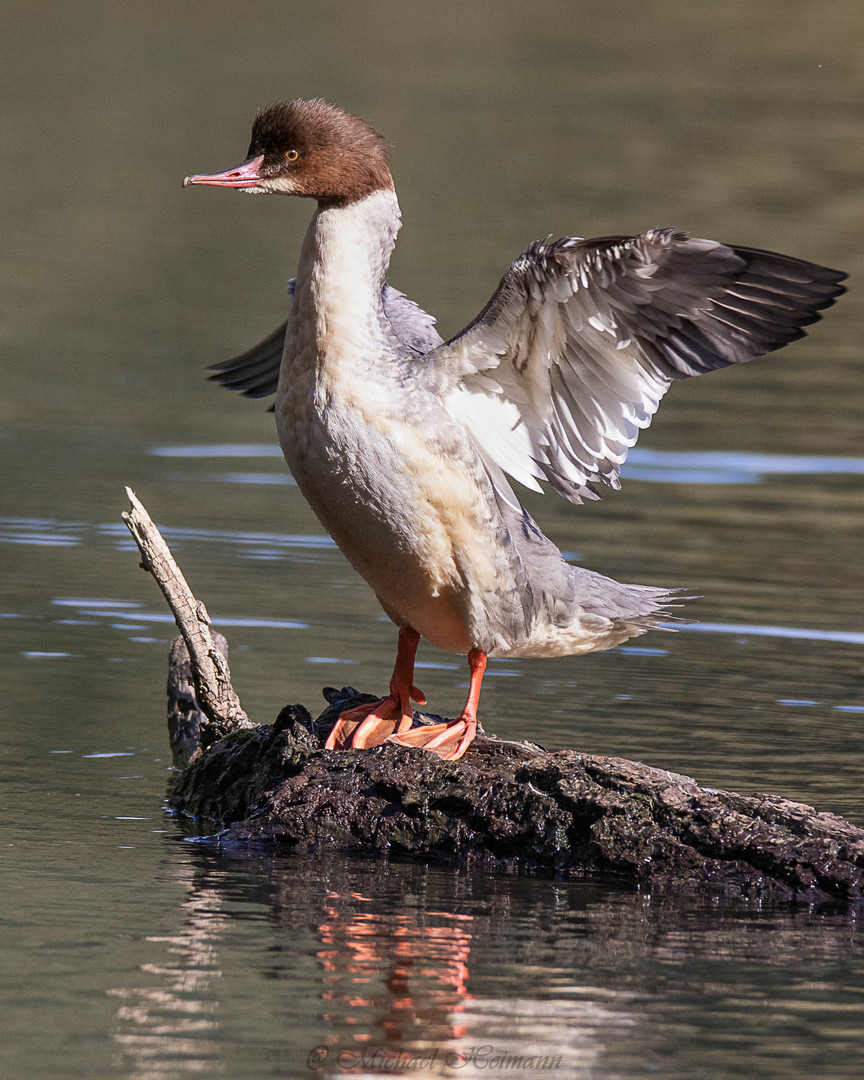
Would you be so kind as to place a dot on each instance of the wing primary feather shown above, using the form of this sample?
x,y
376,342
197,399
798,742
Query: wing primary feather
x,y
255,372
584,337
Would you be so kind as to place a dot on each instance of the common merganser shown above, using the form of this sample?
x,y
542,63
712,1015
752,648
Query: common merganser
x,y
402,443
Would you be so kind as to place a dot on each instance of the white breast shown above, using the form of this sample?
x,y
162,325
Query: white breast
x,y
414,522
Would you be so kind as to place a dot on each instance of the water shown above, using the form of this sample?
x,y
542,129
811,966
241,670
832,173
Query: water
x,y
133,950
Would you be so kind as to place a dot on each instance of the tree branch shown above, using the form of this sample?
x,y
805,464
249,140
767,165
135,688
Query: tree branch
x,y
210,670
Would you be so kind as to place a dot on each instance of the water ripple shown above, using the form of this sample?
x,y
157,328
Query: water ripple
x,y
845,637
273,540
119,609
218,450
41,532
731,466
686,467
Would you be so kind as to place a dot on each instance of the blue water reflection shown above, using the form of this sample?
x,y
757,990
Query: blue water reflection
x,y
668,467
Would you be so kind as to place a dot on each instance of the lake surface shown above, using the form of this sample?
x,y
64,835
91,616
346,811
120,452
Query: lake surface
x,y
132,947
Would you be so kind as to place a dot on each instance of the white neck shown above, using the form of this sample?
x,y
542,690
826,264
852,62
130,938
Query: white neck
x,y
343,265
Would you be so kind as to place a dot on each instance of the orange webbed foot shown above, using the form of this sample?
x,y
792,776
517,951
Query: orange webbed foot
x,y
371,724
449,740
390,718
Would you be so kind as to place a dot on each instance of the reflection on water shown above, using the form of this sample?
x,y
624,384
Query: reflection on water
x,y
406,970
731,466
662,466
41,533
844,636
395,988
219,450
167,1028
133,613
412,977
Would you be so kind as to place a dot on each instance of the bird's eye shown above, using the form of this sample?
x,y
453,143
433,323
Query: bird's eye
x,y
291,155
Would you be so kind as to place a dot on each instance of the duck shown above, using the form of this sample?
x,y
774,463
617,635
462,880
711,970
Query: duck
x,y
406,445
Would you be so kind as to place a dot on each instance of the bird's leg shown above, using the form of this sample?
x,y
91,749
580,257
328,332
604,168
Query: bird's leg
x,y
450,740
370,725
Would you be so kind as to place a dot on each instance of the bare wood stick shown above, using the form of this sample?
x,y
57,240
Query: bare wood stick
x,y
209,667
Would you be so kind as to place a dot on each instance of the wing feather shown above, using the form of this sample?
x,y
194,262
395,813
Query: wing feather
x,y
572,355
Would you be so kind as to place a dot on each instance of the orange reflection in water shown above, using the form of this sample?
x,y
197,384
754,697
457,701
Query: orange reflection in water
x,y
399,973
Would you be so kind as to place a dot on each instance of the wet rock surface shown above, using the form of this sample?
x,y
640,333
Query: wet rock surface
x,y
515,806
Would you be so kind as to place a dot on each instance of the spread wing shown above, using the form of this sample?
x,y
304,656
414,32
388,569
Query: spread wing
x,y
569,359
255,372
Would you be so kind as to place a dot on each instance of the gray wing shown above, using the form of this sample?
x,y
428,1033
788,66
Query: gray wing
x,y
255,372
414,327
569,359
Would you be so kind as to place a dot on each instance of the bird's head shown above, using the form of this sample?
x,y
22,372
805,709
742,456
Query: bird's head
x,y
312,149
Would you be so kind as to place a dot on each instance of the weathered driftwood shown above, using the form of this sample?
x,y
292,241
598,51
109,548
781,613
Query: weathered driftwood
x,y
504,804
209,665
190,729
